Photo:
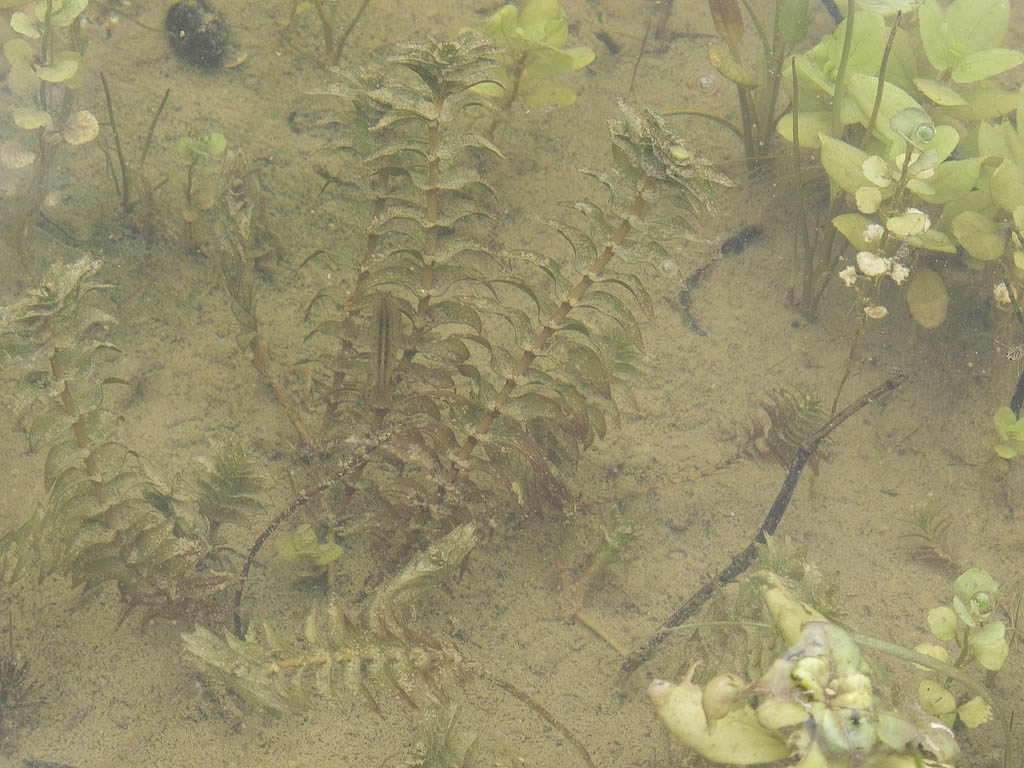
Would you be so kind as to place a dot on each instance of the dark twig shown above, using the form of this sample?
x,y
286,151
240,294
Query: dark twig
x,y
743,559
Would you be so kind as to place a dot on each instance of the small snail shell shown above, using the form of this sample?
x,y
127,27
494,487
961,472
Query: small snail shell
x,y
719,694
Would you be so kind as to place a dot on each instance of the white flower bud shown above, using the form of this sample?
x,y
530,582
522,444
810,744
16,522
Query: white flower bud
x,y
899,273
848,275
871,264
873,233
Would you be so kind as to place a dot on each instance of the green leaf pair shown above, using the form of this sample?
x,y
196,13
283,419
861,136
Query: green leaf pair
x,y
1011,433
981,640
533,38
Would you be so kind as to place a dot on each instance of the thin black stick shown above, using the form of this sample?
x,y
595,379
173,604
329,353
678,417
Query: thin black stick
x,y
741,561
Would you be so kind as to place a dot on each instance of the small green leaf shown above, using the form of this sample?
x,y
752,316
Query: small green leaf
x,y
975,712
852,227
1005,451
942,620
1004,418
953,179
545,94
18,52
983,64
862,89
934,699
65,66
989,645
810,125
30,119
22,24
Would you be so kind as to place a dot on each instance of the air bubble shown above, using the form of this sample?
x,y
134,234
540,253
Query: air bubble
x,y
669,268
706,84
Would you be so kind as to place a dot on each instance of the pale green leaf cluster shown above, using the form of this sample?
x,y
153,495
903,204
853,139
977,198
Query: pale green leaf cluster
x,y
976,637
533,40
938,139
304,551
203,147
1011,433
27,65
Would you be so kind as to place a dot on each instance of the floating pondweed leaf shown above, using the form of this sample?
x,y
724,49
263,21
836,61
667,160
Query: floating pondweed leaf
x,y
81,128
927,298
31,119
15,156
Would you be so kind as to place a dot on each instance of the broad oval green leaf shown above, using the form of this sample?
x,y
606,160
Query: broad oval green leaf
x,y
939,93
989,645
953,179
843,163
545,94
982,238
1007,185
984,64
935,36
18,52
810,125
862,89
979,24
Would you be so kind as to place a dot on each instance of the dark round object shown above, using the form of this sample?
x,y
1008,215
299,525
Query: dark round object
x,y
197,32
